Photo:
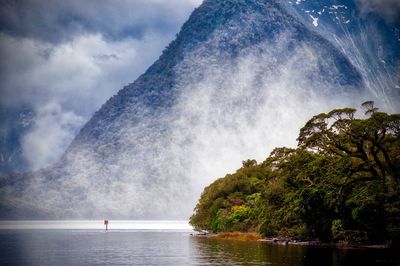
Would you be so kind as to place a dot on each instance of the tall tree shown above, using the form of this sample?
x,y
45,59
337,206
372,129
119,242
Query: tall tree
x,y
373,143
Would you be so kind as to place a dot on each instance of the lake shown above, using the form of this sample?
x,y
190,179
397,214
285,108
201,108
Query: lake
x,y
157,243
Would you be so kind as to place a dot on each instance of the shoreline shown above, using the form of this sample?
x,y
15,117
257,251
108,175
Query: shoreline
x,y
320,244
255,237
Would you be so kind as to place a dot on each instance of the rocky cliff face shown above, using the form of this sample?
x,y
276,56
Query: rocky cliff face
x,y
241,77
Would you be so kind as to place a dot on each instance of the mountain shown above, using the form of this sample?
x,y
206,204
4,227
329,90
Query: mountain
x,y
240,78
15,122
369,40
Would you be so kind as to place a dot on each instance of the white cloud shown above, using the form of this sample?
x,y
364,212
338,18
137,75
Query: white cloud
x,y
77,76
87,69
52,131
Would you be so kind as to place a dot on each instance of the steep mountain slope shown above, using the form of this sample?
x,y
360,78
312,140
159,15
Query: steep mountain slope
x,y
370,40
241,78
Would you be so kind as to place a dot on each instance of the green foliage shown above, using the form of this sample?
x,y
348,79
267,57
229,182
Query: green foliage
x,y
231,203
340,184
338,232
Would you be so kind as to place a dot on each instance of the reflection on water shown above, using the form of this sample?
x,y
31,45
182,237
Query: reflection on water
x,y
133,247
222,252
219,251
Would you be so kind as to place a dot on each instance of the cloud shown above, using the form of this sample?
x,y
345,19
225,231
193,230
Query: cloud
x,y
78,76
53,130
74,55
88,69
388,9
57,21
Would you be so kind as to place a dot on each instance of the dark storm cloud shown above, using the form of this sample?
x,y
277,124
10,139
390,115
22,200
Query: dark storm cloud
x,y
57,21
388,9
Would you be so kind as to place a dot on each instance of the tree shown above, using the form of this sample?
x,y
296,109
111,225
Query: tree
x,y
340,184
372,144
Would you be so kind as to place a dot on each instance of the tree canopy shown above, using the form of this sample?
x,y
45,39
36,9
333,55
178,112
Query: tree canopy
x,y
340,184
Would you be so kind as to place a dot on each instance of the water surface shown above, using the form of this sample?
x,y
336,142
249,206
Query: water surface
x,y
169,244
175,225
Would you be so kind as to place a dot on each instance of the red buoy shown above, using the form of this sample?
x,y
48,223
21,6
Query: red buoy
x,y
106,224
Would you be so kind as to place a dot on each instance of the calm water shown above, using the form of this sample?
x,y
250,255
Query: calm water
x,y
164,247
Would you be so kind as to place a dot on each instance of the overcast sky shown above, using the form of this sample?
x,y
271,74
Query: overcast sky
x,y
66,58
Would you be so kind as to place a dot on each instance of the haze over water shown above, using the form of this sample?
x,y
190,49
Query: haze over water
x,y
98,224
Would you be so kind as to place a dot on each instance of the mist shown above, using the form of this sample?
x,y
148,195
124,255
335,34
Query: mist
x,y
226,111
153,163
